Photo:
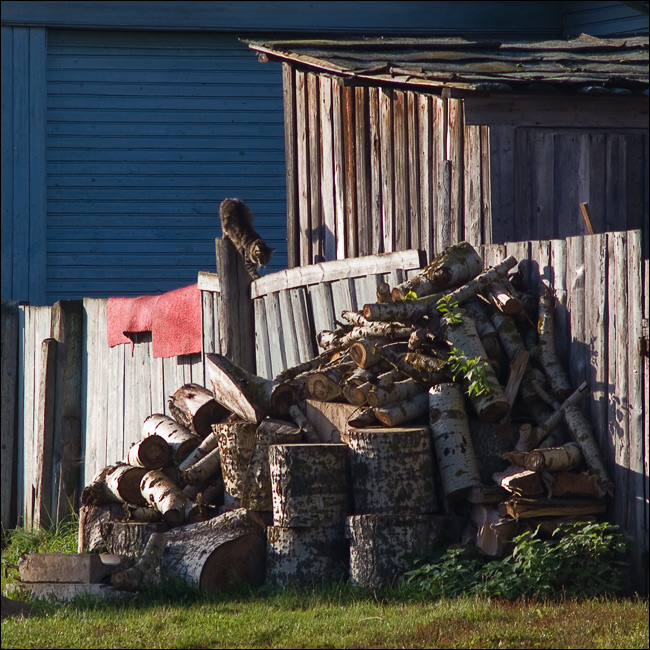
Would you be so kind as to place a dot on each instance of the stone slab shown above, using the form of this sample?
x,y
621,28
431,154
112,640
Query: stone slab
x,y
76,568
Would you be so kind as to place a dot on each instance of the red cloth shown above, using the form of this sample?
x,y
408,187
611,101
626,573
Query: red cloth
x,y
176,326
173,318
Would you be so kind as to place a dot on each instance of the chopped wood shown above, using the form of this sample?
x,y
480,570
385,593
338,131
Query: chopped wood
x,y
131,579
583,484
181,440
372,330
354,318
204,469
487,494
252,398
363,417
209,443
124,482
364,352
299,418
329,419
554,459
151,452
520,481
522,508
503,297
325,384
427,363
398,392
384,292
194,406
492,539
164,496
406,411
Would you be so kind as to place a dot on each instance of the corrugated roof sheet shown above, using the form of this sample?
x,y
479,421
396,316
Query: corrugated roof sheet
x,y
584,64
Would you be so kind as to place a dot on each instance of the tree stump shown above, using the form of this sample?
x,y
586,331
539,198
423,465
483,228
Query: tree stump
x,y
382,545
236,440
302,557
215,554
194,406
91,521
392,470
452,440
129,537
309,484
257,493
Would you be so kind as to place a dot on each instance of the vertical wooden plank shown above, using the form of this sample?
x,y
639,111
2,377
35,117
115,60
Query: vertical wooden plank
x,y
343,297
440,168
9,412
576,308
170,382
207,320
115,403
376,232
486,186
637,497
472,167
559,279
596,324
455,154
327,166
412,132
132,422
401,184
276,334
339,170
289,333
262,349
524,173
568,218
44,435
541,170
646,410
387,168
9,151
143,385
291,151
304,334
540,254
362,162
313,106
365,290
594,160
636,178
427,176
322,307
26,440
302,143
502,182
349,146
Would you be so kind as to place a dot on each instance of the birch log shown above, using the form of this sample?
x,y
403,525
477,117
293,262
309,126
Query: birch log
x,y
164,496
252,398
452,441
257,490
151,452
382,546
204,469
554,459
400,391
491,405
236,440
306,556
131,579
210,442
217,553
455,265
392,470
194,406
124,482
309,484
406,411
181,440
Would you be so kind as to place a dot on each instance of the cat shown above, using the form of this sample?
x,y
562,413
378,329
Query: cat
x,y
237,226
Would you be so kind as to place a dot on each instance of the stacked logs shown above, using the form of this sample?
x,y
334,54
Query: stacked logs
x,y
438,406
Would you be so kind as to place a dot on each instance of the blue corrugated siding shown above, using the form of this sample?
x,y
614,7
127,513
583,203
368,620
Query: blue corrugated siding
x,y
602,19
146,134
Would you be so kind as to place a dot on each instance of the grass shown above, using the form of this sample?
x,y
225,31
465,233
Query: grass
x,y
334,616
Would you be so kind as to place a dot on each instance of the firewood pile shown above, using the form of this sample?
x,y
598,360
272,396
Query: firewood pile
x,y
453,420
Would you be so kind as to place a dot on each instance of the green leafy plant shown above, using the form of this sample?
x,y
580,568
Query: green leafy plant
x,y
474,371
451,315
577,561
410,296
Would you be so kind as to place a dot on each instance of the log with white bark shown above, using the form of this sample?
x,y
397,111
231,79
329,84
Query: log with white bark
x,y
317,362
306,556
210,442
204,469
382,546
164,496
453,266
124,482
309,484
303,423
194,406
181,440
385,381
236,441
484,327
257,491
363,417
398,392
364,352
545,353
252,398
392,470
490,405
131,579
426,363
406,411
144,515
217,553
97,493
554,459
391,331
503,297
326,384
452,440
151,452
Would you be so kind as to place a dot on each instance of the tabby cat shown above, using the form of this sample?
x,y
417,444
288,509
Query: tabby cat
x,y
237,226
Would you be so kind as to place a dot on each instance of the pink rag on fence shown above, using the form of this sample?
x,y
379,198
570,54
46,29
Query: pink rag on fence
x,y
173,318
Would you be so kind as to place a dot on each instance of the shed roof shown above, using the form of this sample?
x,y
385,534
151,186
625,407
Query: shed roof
x,y
585,64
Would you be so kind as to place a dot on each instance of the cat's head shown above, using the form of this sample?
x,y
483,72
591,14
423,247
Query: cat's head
x,y
261,253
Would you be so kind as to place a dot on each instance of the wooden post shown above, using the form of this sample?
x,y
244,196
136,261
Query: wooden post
x,y
67,329
235,307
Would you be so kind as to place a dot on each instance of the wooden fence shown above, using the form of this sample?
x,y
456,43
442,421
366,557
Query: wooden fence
x,y
601,327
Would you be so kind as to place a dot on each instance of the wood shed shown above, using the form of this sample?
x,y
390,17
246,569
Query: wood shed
x,y
397,143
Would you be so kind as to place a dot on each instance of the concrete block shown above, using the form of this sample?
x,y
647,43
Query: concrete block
x,y
75,568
